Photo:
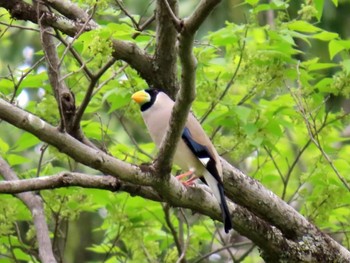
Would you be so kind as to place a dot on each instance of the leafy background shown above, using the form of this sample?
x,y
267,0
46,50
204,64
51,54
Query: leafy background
x,y
282,120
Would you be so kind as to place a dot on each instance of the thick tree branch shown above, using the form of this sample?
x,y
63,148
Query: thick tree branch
x,y
65,99
71,11
63,179
166,54
21,10
68,179
194,21
36,207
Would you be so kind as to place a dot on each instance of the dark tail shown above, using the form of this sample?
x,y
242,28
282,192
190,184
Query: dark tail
x,y
224,209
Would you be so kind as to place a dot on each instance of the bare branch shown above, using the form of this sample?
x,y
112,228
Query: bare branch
x,y
69,179
126,12
63,179
89,93
71,11
178,244
166,51
65,99
205,7
176,21
21,10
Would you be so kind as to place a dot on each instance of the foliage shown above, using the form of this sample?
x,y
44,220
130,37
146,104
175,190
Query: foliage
x,y
280,120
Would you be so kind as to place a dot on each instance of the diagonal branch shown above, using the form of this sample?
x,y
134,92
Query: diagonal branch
x,y
65,99
71,11
196,19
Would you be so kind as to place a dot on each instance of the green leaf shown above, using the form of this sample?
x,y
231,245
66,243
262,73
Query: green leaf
x,y
303,26
325,36
274,128
34,81
242,113
4,147
252,2
335,2
15,159
324,84
93,129
117,98
346,65
273,5
20,255
319,7
250,129
121,31
335,47
6,86
26,141
319,66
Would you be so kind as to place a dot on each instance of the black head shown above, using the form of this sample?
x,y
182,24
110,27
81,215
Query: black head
x,y
153,95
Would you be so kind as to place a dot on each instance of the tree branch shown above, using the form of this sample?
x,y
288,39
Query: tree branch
x,y
193,22
166,52
71,11
69,179
35,205
65,99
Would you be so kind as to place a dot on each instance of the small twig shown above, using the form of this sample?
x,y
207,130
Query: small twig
x,y
245,254
229,84
23,76
75,71
186,244
133,21
89,92
312,133
42,150
16,26
143,26
176,21
75,54
102,84
11,249
133,139
166,209
220,249
82,29
284,181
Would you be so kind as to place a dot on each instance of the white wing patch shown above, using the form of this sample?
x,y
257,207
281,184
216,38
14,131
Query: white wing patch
x,y
204,160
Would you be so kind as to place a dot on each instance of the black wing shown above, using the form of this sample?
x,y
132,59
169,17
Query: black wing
x,y
209,162
202,153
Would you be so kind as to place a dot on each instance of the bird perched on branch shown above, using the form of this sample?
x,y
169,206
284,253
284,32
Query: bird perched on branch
x,y
195,153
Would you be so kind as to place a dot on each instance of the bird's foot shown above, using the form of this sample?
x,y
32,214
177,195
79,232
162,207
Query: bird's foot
x,y
180,176
190,181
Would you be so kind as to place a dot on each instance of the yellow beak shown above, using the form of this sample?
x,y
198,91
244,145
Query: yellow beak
x,y
141,97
